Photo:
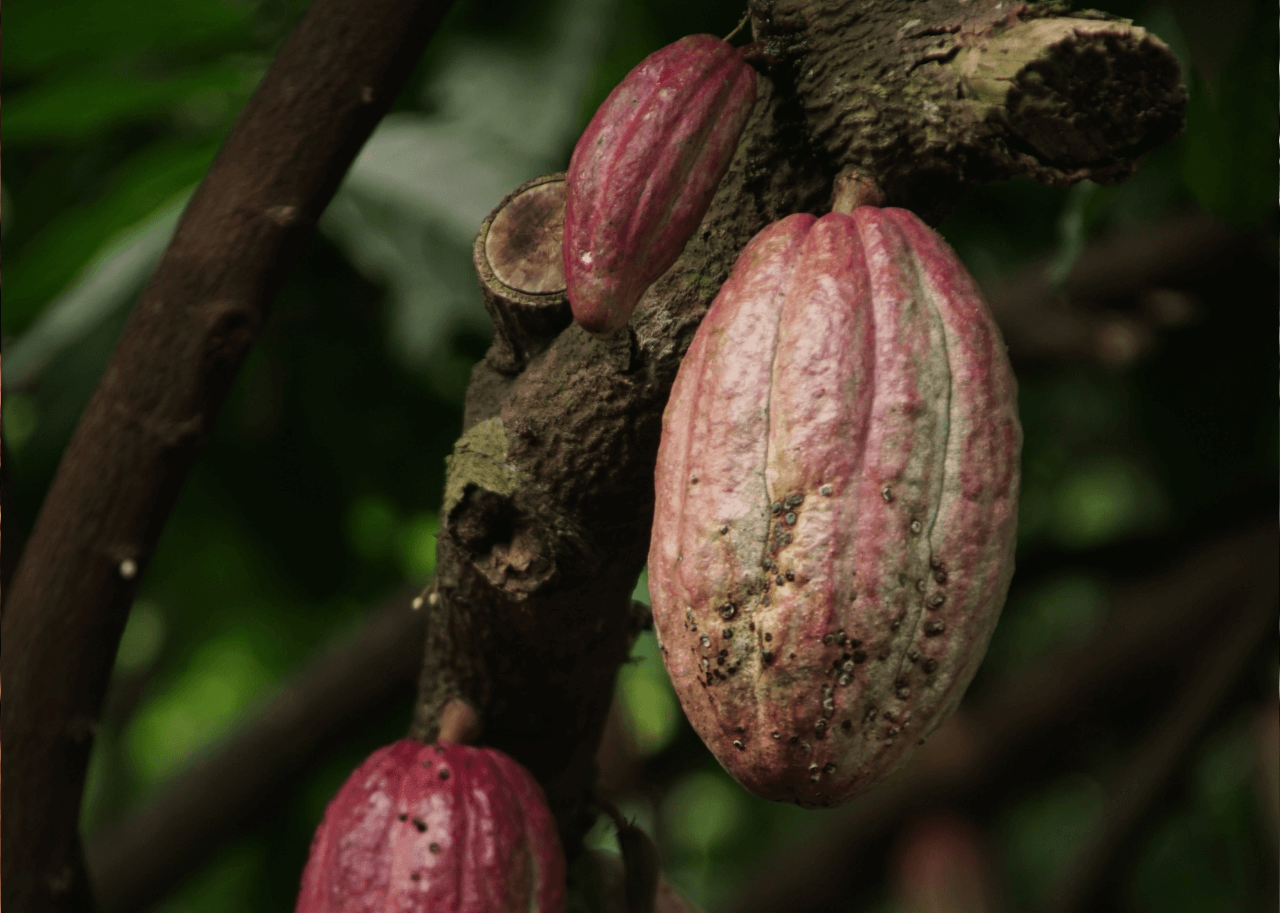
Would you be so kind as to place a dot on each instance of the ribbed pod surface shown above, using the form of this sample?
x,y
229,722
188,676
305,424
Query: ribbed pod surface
x,y
645,170
836,503
436,828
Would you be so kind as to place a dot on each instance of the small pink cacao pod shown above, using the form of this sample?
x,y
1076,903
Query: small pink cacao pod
x,y
644,172
836,500
436,827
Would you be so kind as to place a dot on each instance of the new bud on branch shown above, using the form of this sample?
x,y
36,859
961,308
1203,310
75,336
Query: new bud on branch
x,y
436,827
836,503
644,172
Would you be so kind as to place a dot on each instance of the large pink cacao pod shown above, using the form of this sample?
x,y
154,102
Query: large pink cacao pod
x,y
644,172
434,828
836,503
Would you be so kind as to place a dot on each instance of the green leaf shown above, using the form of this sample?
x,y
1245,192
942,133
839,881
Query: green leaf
x,y
49,262
50,35
76,108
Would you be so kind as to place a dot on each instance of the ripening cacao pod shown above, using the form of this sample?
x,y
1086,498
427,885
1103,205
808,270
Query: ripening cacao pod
x,y
836,500
644,172
436,827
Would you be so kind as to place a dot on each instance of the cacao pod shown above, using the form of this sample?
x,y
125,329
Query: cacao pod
x,y
836,498
644,172
436,827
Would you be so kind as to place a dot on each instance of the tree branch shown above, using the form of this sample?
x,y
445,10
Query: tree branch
x,y
548,500
157,401
137,861
1082,320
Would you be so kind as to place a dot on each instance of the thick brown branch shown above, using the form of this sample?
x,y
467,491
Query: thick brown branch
x,y
158,398
135,862
928,100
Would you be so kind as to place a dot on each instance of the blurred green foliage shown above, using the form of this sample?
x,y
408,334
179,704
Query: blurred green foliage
x,y
318,493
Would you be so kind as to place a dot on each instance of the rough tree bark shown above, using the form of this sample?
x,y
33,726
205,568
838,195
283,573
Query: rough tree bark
x,y
548,502
149,416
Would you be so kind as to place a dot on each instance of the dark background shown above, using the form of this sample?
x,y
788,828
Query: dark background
x,y
316,497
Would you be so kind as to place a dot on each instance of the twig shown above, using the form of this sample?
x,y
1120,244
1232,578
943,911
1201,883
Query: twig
x,y
1041,322
1148,773
1025,727
145,425
137,861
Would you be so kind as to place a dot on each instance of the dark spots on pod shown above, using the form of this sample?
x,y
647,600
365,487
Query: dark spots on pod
x,y
704,640
719,660
934,627
790,575
846,725
813,773
859,656
920,585
693,479
414,877
930,665
751,626
791,656
892,732
793,501
913,655
790,518
829,768
766,563
723,653
728,610
439,749
435,848
841,637
793,740
819,728
768,636
420,825
724,529
887,494
824,490
402,816
775,508
737,743
728,633
764,600
780,580
903,692
828,639
776,735
897,624
916,527
767,656
444,773
936,600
